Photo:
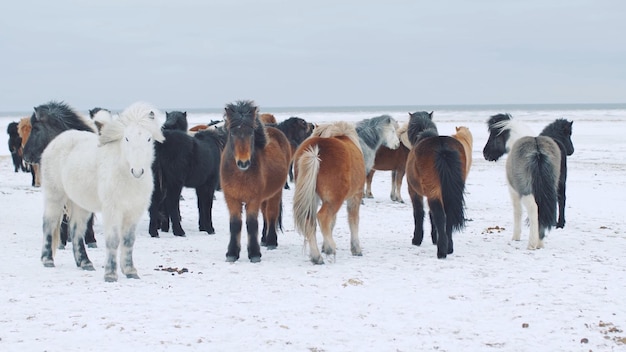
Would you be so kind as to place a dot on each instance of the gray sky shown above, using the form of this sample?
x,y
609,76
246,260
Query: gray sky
x,y
204,54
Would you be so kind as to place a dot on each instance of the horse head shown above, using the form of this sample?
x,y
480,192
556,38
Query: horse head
x,y
48,121
176,120
245,132
390,136
418,122
499,134
135,129
561,131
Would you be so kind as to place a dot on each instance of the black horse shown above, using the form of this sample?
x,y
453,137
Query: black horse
x,y
48,121
297,130
185,161
15,147
176,120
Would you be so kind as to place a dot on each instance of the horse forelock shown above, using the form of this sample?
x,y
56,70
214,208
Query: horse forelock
x,y
371,130
139,114
245,113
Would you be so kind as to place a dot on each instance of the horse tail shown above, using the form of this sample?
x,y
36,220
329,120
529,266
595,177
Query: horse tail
x,y
544,181
449,169
305,199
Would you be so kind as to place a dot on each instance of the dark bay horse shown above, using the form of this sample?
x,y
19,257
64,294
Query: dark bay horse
x,y
536,171
329,169
436,170
253,171
47,122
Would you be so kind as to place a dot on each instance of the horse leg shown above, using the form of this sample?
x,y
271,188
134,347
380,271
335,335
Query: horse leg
x,y
252,226
438,216
90,237
64,231
533,216
205,207
271,213
234,246
77,227
172,204
368,184
433,227
561,198
398,175
418,218
126,253
327,216
353,206
517,214
112,238
51,225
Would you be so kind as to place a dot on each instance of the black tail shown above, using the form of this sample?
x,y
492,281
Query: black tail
x,y
544,187
448,165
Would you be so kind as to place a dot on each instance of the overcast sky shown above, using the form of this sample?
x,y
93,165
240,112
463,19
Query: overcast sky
x,y
204,54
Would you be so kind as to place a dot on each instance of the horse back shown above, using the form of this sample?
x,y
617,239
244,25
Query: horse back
x,y
342,167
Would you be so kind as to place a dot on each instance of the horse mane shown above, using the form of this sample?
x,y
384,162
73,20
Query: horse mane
x,y
62,117
558,129
369,129
403,135
427,133
245,112
335,129
418,122
140,113
505,122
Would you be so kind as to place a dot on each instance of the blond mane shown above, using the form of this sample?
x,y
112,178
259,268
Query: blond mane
x,y
464,136
335,129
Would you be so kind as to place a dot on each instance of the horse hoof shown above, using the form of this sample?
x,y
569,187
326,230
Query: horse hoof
x,y
110,279
416,242
92,245
441,255
317,261
48,263
155,236
88,267
61,246
132,276
255,260
180,235
231,259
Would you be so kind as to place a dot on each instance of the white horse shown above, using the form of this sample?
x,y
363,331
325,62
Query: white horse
x,y
108,173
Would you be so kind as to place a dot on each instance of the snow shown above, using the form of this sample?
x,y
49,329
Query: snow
x,y
492,294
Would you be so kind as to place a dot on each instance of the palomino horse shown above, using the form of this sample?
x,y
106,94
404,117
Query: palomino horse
x,y
536,171
464,136
436,169
109,173
329,168
393,160
253,171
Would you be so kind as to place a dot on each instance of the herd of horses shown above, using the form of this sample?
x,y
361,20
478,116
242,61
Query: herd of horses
x,y
139,160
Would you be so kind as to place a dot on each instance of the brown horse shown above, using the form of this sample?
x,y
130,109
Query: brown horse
x,y
253,171
23,129
464,136
328,167
267,118
436,169
393,160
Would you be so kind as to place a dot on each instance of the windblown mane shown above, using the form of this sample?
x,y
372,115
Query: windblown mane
x,y
139,113
245,113
369,130
403,134
505,122
335,129
62,117
23,129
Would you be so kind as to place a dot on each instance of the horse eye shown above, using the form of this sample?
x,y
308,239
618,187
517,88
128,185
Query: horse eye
x,y
149,139
126,139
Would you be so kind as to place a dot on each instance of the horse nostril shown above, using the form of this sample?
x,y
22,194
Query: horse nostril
x,y
137,174
243,165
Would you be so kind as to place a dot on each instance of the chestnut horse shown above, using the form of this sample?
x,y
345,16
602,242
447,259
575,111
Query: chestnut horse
x,y
328,167
253,171
267,118
436,169
393,160
23,129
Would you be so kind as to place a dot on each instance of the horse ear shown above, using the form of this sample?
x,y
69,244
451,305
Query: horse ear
x,y
185,113
430,114
151,115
